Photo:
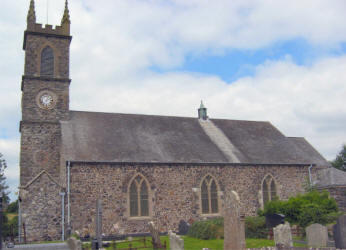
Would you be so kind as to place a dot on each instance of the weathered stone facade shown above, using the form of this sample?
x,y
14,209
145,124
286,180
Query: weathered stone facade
x,y
174,191
41,211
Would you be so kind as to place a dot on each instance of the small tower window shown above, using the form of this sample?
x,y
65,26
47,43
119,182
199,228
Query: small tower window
x,y
209,197
268,189
139,197
47,62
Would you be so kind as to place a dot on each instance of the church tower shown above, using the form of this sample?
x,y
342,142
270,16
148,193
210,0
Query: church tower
x,y
45,102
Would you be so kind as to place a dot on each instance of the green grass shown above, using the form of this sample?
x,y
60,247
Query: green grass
x,y
197,244
10,216
257,243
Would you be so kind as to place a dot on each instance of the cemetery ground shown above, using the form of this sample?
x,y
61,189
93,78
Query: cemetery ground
x,y
191,243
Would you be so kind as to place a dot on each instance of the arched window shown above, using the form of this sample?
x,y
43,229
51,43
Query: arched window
x,y
139,197
47,62
268,189
209,197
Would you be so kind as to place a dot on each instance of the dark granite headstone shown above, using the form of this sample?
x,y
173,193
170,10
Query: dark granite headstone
x,y
274,219
183,227
340,232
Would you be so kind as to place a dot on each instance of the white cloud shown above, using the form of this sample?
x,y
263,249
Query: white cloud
x,y
303,101
10,150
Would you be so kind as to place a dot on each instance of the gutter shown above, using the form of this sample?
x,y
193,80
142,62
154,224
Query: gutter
x,y
310,178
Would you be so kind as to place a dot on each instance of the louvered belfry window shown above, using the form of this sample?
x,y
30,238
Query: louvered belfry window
x,y
47,62
209,197
268,189
139,197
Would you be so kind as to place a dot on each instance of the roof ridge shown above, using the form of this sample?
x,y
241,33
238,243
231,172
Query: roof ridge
x,y
168,116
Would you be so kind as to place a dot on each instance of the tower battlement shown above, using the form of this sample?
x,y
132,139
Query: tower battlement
x,y
49,29
62,30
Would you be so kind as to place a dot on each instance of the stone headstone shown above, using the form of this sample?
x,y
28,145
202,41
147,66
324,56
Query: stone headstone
x,y
74,244
340,232
234,230
175,241
274,220
99,223
183,227
283,235
317,235
155,235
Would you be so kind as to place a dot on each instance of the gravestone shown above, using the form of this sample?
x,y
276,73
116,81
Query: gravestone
x,y
283,235
98,225
317,235
183,227
155,235
340,232
74,244
234,230
274,220
175,241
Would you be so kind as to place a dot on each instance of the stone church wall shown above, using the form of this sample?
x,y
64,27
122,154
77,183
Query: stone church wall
x,y
41,209
174,192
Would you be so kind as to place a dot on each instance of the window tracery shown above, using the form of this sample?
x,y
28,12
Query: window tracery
x,y
209,196
268,189
139,197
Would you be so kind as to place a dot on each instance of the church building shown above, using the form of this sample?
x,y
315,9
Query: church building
x,y
142,167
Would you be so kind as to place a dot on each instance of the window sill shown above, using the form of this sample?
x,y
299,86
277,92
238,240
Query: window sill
x,y
140,218
211,215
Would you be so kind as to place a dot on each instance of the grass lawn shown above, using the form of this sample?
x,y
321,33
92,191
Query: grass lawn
x,y
197,244
10,216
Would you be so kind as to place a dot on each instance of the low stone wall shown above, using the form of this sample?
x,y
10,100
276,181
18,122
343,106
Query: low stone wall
x,y
339,194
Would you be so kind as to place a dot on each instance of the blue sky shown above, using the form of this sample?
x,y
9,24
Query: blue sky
x,y
233,64
245,59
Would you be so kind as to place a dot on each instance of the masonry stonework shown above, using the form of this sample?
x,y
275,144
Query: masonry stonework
x,y
42,213
175,192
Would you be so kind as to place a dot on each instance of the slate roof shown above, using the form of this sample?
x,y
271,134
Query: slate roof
x,y
331,177
112,137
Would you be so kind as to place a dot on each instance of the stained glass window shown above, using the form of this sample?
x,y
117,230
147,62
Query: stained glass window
x,y
47,62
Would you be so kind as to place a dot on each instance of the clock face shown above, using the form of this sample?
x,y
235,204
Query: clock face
x,y
46,99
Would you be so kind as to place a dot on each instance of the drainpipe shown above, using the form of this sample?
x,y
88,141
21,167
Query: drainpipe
x,y
19,220
62,216
68,198
310,178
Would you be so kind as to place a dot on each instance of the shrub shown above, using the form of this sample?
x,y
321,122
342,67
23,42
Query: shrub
x,y
208,229
12,207
255,227
305,209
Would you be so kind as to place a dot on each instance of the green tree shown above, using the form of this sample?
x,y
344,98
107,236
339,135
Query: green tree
x,y
340,160
13,207
3,186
